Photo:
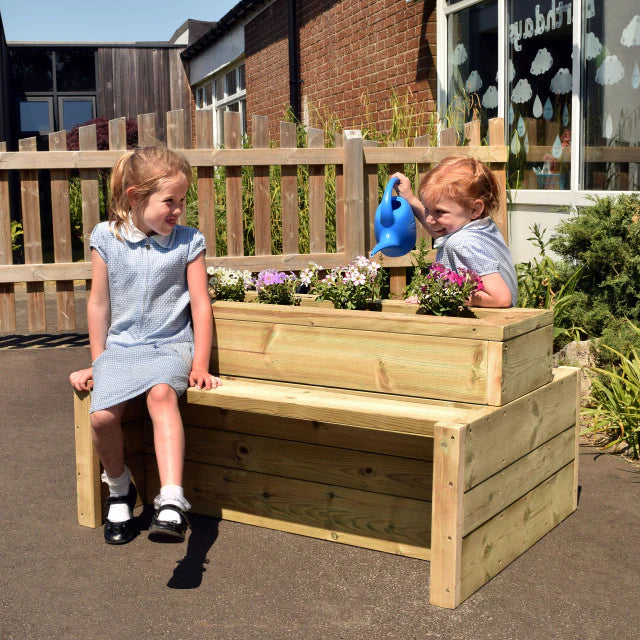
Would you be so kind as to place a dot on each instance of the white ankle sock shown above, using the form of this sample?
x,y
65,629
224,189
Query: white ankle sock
x,y
118,487
171,494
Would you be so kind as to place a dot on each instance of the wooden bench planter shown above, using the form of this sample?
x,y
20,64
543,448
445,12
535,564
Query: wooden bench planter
x,y
450,440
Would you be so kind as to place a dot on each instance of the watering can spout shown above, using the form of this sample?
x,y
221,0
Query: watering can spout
x,y
379,247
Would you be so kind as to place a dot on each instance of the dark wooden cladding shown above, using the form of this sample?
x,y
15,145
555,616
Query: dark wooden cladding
x,y
134,80
4,86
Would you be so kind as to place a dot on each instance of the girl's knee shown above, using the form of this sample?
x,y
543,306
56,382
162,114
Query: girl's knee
x,y
162,394
104,419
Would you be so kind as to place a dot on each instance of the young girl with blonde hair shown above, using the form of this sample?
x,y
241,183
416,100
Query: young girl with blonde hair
x,y
150,331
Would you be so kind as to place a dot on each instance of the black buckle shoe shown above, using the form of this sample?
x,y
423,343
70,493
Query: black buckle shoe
x,y
120,532
164,531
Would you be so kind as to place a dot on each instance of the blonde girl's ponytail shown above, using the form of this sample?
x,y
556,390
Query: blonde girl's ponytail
x,y
120,208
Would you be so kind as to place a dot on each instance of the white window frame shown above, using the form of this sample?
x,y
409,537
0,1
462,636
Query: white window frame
x,y
572,196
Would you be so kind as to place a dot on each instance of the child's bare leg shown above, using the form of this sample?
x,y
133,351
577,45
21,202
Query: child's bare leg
x,y
106,433
168,433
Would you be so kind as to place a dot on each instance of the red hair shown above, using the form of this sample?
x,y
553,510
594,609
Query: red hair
x,y
464,180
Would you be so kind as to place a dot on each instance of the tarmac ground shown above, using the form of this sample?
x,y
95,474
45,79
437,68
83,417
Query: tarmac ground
x,y
230,581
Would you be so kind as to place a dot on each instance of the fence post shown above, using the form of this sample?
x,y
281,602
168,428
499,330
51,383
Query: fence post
x,y
233,186
206,183
261,188
7,290
354,222
89,187
496,137
289,193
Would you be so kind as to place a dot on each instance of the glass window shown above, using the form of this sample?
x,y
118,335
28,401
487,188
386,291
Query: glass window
x,y
32,69
220,89
241,80
199,98
36,116
208,94
539,83
230,82
610,95
75,111
472,65
76,69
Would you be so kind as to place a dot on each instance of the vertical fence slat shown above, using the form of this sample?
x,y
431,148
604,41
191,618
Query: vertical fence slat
x,y
30,198
176,140
87,141
354,218
370,198
261,189
317,215
147,130
449,137
7,290
337,140
496,137
397,275
289,191
233,185
206,185
421,232
118,133
472,133
61,223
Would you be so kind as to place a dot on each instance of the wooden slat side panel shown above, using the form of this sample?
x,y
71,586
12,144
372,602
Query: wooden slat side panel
x,y
261,189
447,515
206,183
507,433
502,489
317,216
354,212
89,187
289,192
7,291
366,471
212,489
404,364
233,185
315,432
491,547
87,465
339,196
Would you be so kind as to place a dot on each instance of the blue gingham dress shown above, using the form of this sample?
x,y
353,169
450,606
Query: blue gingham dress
x,y
150,338
478,245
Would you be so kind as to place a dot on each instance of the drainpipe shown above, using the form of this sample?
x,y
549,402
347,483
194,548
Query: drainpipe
x,y
294,61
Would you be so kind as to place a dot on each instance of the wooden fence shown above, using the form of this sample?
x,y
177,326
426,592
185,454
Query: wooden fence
x,y
356,184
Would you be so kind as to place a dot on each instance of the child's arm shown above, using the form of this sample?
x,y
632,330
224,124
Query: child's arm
x,y
98,312
405,191
496,293
202,325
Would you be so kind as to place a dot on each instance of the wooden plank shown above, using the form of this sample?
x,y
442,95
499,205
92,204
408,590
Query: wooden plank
x,y
447,515
62,236
311,431
317,215
233,185
421,232
496,140
206,183
428,155
354,195
293,262
147,130
472,133
386,474
491,547
449,138
397,274
337,139
89,185
43,272
261,189
524,424
30,198
367,360
496,493
7,292
576,434
87,465
118,134
370,198
175,129
289,192
212,489
327,404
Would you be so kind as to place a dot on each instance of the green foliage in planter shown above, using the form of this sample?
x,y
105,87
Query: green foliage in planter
x,y
616,399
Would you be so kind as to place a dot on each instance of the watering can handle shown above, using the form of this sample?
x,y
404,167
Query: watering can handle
x,y
387,211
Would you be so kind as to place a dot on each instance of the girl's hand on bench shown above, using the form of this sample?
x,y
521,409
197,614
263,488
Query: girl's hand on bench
x,y
82,380
203,380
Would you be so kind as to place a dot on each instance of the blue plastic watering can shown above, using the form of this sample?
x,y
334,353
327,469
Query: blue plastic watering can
x,y
394,224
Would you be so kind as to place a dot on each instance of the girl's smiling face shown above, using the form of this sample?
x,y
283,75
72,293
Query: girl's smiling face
x,y
447,215
159,213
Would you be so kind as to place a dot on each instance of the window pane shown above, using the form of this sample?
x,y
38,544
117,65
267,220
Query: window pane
x,y
234,107
199,97
220,124
31,69
241,80
230,80
220,89
35,116
539,93
76,69
472,65
208,94
610,95
75,112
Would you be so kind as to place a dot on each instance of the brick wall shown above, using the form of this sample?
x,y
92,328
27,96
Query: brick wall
x,y
353,55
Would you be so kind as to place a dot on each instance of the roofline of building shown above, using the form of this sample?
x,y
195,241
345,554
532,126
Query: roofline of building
x,y
129,45
224,25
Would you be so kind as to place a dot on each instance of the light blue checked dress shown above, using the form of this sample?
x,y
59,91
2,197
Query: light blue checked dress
x,y
478,245
150,338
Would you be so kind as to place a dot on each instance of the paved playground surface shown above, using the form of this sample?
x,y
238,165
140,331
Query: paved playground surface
x,y
231,581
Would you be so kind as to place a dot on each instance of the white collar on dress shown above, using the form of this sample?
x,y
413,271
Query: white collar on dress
x,y
131,233
480,223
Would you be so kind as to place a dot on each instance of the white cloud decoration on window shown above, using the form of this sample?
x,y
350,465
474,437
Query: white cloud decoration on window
x,y
490,98
541,63
610,71
631,33
459,55
561,82
592,46
474,82
521,92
